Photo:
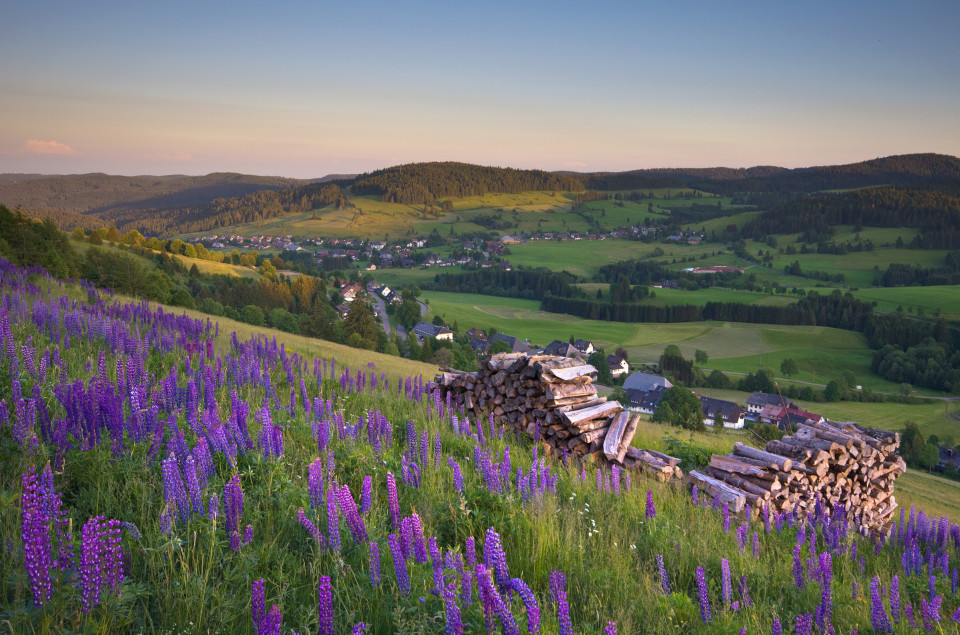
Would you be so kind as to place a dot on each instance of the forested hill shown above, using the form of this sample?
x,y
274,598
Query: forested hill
x,y
223,212
105,195
935,213
906,169
417,183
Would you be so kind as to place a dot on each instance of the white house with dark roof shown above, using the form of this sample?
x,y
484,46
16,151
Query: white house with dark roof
x,y
424,330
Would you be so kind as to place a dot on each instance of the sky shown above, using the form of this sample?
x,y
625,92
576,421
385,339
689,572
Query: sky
x,y
305,89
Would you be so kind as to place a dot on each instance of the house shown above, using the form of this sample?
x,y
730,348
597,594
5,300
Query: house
x,y
772,413
618,365
385,291
584,346
343,309
476,334
949,459
645,401
424,330
795,416
351,291
718,410
479,345
716,269
516,344
645,382
757,400
559,347
371,267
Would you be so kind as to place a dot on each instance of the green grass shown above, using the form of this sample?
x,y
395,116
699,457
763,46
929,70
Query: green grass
x,y
943,297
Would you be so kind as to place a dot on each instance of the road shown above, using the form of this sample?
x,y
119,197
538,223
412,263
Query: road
x,y
382,310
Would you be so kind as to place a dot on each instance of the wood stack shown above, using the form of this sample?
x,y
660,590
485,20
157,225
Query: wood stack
x,y
553,398
841,463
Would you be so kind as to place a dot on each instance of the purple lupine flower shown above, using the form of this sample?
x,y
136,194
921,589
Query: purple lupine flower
x,y
311,528
725,581
930,612
451,610
610,628
258,607
213,507
777,628
315,483
271,624
471,551
235,542
248,534
393,501
703,596
530,603
908,610
664,581
325,602
233,501
563,614
100,564
756,545
726,517
349,510
826,582
745,592
694,495
797,568
174,493
360,628
419,540
193,485
333,519
956,616
558,583
651,508
495,559
399,564
366,495
742,537
878,615
374,564
37,552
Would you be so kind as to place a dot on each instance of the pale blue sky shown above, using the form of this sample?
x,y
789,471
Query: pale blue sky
x,y
306,89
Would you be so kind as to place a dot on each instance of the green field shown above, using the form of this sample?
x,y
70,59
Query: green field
x,y
944,297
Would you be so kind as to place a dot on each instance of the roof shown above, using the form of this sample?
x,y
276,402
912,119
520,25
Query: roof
x,y
479,345
760,399
645,381
647,399
582,344
615,361
559,347
426,329
772,411
516,345
727,410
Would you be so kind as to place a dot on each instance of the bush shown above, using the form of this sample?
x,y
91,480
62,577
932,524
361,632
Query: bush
x,y
252,314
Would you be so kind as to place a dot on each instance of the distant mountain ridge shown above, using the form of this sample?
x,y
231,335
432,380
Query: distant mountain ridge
x,y
177,204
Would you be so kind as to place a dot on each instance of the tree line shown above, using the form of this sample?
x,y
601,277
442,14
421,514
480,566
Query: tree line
x,y
531,284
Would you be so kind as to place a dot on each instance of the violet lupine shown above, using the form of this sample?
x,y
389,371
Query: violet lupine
x,y
703,596
495,559
258,608
726,585
248,534
419,540
399,564
174,493
610,628
333,519
233,502
349,510
826,583
651,511
213,507
558,583
100,564
325,605
454,622
311,528
393,501
563,614
530,603
777,628
193,485
366,495
797,568
878,615
930,612
374,565
745,592
664,581
726,517
471,550
315,483
35,533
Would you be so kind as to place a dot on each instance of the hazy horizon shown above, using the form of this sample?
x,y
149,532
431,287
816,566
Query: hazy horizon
x,y
303,91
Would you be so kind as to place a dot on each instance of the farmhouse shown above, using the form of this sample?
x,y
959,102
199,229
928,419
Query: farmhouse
x,y
584,346
757,400
424,330
725,412
559,347
351,291
516,344
645,382
645,401
618,365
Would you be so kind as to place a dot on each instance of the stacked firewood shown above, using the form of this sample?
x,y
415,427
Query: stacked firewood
x,y
553,399
835,463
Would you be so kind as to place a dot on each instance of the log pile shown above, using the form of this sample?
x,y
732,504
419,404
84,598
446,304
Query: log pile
x,y
552,399
839,463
